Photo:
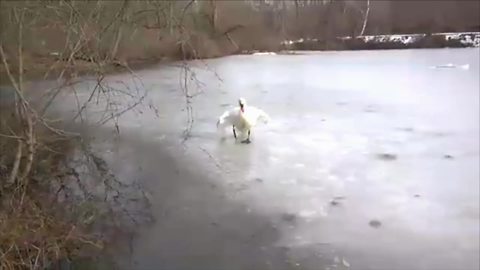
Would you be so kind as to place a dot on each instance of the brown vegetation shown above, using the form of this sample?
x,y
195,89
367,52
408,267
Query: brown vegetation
x,y
149,31
35,231
154,30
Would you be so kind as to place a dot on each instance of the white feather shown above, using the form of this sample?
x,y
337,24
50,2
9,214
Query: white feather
x,y
242,121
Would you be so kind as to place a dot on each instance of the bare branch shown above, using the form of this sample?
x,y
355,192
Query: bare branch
x,y
16,163
365,19
185,10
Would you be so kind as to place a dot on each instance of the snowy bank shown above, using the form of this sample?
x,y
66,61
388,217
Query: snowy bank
x,y
407,41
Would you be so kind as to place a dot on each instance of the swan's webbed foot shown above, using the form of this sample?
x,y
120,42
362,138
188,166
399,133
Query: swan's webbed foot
x,y
248,138
247,141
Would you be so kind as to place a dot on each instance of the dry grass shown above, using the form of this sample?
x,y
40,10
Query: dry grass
x,y
53,216
35,231
34,235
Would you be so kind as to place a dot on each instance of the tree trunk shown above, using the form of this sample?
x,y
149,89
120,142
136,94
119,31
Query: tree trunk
x,y
213,19
117,42
284,18
365,19
118,37
296,12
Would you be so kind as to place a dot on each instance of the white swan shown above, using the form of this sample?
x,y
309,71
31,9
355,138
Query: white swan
x,y
242,119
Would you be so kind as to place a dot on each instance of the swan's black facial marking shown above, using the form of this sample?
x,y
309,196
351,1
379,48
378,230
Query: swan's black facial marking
x,y
241,103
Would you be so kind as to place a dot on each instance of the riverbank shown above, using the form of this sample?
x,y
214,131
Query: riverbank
x,y
49,66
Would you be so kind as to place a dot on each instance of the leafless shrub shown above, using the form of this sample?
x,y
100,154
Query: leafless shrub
x,y
34,234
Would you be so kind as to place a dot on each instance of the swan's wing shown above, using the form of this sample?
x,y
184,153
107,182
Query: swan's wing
x,y
252,115
264,116
228,116
261,115
222,118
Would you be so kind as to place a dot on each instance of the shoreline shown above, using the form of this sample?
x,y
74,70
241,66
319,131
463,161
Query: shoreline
x,y
37,67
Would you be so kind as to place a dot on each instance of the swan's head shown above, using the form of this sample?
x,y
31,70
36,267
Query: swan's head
x,y
242,103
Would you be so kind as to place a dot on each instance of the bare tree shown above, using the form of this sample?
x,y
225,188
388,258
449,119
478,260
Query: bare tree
x,y
213,15
121,16
365,18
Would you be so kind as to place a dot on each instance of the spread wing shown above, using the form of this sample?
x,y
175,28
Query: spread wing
x,y
257,114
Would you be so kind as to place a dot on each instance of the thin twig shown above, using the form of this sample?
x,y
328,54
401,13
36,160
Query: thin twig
x,y
16,164
16,87
30,139
10,136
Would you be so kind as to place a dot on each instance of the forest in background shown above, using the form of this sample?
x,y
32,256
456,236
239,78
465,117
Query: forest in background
x,y
148,31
